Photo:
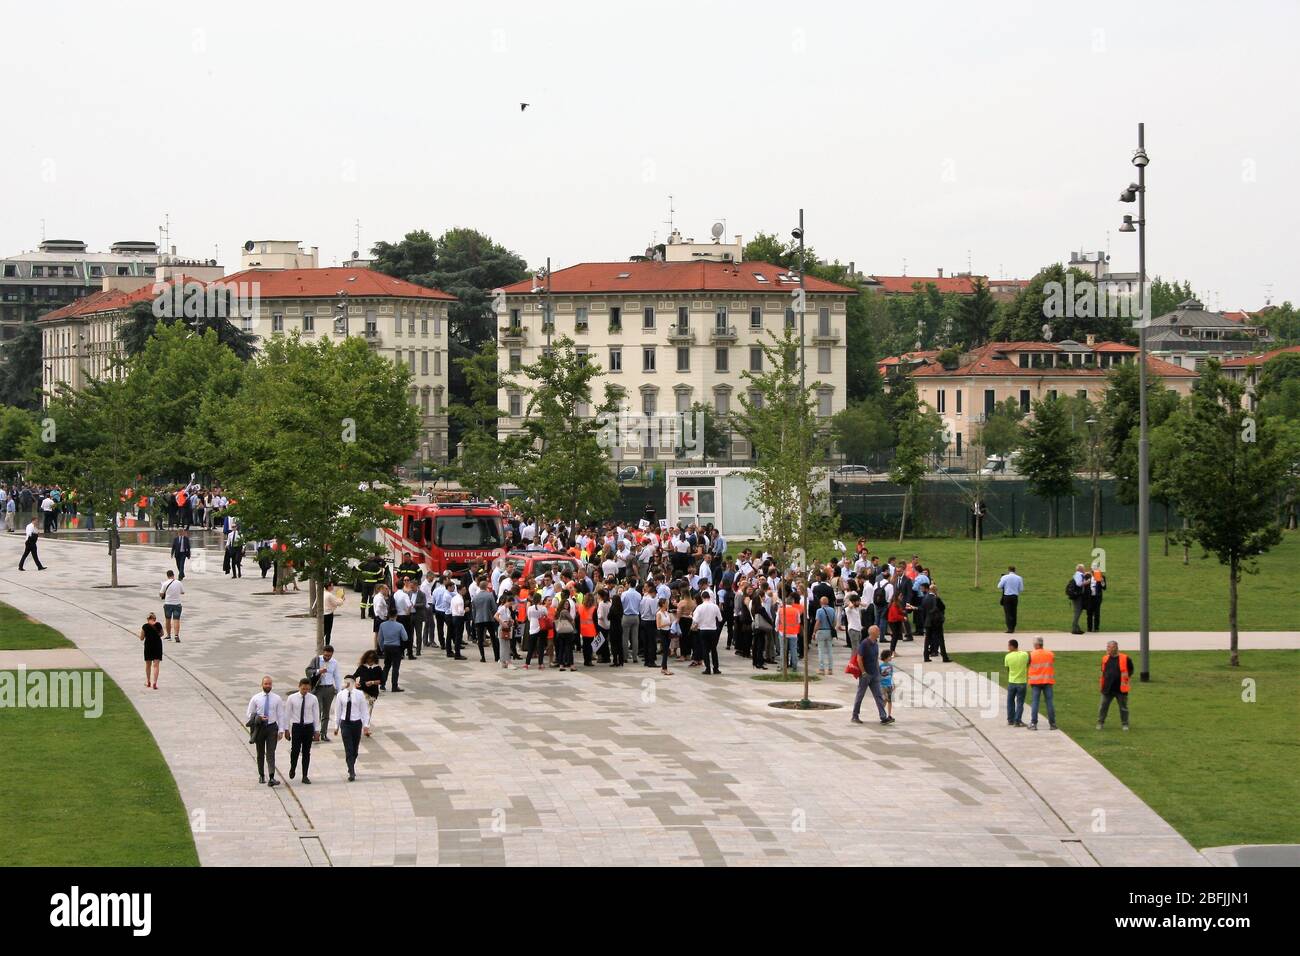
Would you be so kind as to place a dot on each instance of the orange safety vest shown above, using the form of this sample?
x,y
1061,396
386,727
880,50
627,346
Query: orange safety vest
x,y
523,605
1042,667
789,618
1123,673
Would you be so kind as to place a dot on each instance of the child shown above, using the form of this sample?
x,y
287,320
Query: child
x,y
887,680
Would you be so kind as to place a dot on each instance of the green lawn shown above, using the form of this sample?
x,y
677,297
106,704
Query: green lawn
x,y
18,632
1220,770
84,791
1183,597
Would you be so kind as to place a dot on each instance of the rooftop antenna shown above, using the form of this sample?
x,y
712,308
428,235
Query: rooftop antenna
x,y
670,215
166,233
357,236
1268,293
905,273
42,230
718,229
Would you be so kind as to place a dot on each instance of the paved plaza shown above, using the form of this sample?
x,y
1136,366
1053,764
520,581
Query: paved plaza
x,y
600,767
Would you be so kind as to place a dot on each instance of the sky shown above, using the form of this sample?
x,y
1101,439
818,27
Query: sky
x,y
915,136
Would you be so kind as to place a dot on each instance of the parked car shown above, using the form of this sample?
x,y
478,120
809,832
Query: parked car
x,y
851,471
629,473
1000,465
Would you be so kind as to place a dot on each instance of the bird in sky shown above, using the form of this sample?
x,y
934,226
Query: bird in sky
x,y
522,107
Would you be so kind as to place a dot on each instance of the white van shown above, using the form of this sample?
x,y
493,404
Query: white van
x,y
1000,465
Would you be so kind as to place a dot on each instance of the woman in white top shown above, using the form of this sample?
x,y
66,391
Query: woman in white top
x,y
505,618
333,601
536,637
457,619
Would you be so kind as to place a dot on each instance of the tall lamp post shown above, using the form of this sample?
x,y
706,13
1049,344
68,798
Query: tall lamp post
x,y
802,302
1095,468
1138,191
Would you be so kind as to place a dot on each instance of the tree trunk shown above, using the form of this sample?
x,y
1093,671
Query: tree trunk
x,y
318,600
1166,529
902,525
807,648
780,637
977,549
1235,569
1186,546
1096,509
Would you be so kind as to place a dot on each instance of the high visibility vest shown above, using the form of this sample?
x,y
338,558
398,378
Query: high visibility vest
x,y
1123,673
789,618
522,602
1042,667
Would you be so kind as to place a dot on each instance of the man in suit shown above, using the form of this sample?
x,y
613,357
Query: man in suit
x,y
302,712
934,610
181,552
263,718
352,716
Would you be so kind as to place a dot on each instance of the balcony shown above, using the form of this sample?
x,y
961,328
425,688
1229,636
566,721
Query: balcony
x,y
512,334
372,337
723,333
825,336
681,335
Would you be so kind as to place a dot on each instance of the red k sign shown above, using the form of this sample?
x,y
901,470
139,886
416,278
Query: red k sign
x,y
685,499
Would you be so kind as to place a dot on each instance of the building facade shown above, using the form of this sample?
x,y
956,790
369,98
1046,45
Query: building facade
x,y
965,395
1191,334
402,321
669,334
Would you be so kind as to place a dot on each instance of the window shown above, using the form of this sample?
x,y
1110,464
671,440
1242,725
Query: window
x,y
648,359
990,399
941,401
424,403
722,403
759,277
516,360
277,322
410,359
755,359
424,362
1051,394
580,319
437,363
789,318
823,321
1082,393
650,402
424,325
1024,360
308,322
514,318
410,323
437,326
397,325
11,271
720,318
958,447
616,360
721,359
684,359
69,272
823,361
755,318
615,319
247,323
683,402
516,405
124,270
647,318
755,399
824,403
1024,399
437,403
38,272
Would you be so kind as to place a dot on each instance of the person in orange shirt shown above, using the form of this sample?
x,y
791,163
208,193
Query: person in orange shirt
x,y
789,622
587,625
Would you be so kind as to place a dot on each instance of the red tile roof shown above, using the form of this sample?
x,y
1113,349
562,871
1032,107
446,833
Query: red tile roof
x,y
327,283
1246,361
112,300
651,277
992,359
908,357
902,285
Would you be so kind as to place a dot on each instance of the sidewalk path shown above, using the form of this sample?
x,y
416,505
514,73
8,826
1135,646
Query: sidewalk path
x,y
601,767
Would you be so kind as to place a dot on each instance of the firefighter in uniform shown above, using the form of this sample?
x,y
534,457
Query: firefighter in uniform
x,y
372,575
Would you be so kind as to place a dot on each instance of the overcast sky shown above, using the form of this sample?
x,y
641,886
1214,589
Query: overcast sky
x,y
917,132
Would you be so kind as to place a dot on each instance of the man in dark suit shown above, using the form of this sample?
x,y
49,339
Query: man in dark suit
x,y
181,552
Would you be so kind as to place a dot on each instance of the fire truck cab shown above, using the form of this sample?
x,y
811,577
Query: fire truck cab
x,y
446,534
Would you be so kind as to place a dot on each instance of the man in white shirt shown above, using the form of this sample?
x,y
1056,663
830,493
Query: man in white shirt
x,y
170,592
441,607
404,603
29,548
608,568
263,717
707,619
352,716
1011,585
302,713
327,685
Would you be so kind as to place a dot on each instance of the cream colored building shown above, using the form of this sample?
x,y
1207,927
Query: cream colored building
x,y
402,321
1026,372
669,334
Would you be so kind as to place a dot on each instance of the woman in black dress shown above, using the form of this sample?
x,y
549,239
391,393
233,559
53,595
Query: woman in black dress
x,y
152,633
369,676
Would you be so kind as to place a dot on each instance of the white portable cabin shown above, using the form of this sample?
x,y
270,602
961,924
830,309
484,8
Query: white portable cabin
x,y
717,496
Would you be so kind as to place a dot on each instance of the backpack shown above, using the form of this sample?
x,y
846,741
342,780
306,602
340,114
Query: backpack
x,y
878,598
1072,589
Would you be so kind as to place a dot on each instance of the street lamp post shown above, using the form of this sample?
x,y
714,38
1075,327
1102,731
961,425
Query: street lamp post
x,y
1096,478
803,454
1138,191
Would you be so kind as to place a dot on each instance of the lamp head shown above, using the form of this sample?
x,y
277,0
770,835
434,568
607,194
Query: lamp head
x,y
1140,158
796,232
1128,225
1130,194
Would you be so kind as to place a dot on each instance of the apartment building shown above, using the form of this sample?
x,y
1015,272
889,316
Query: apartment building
x,y
1246,369
1191,334
966,393
400,320
672,333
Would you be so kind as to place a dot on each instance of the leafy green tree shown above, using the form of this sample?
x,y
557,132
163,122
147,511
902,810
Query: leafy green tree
x,y
564,466
862,432
1119,415
780,421
313,423
1166,296
20,368
1277,388
485,460
1228,474
1047,455
213,316
919,443
17,428
1283,321
1045,302
976,316
706,433
1001,433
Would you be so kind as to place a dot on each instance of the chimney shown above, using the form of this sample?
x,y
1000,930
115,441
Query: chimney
x,y
940,273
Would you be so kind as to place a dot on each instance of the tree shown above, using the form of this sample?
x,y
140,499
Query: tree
x,y
920,440
564,466
17,427
780,421
20,368
862,432
1068,302
1283,321
1229,470
1119,415
1047,455
1276,388
703,434
314,424
202,314
169,381
1001,433
976,316
485,459
1167,296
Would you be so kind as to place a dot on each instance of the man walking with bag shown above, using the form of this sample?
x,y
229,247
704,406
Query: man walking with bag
x,y
323,671
265,711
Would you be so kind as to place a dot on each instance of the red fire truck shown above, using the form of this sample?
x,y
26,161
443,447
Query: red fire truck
x,y
446,534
